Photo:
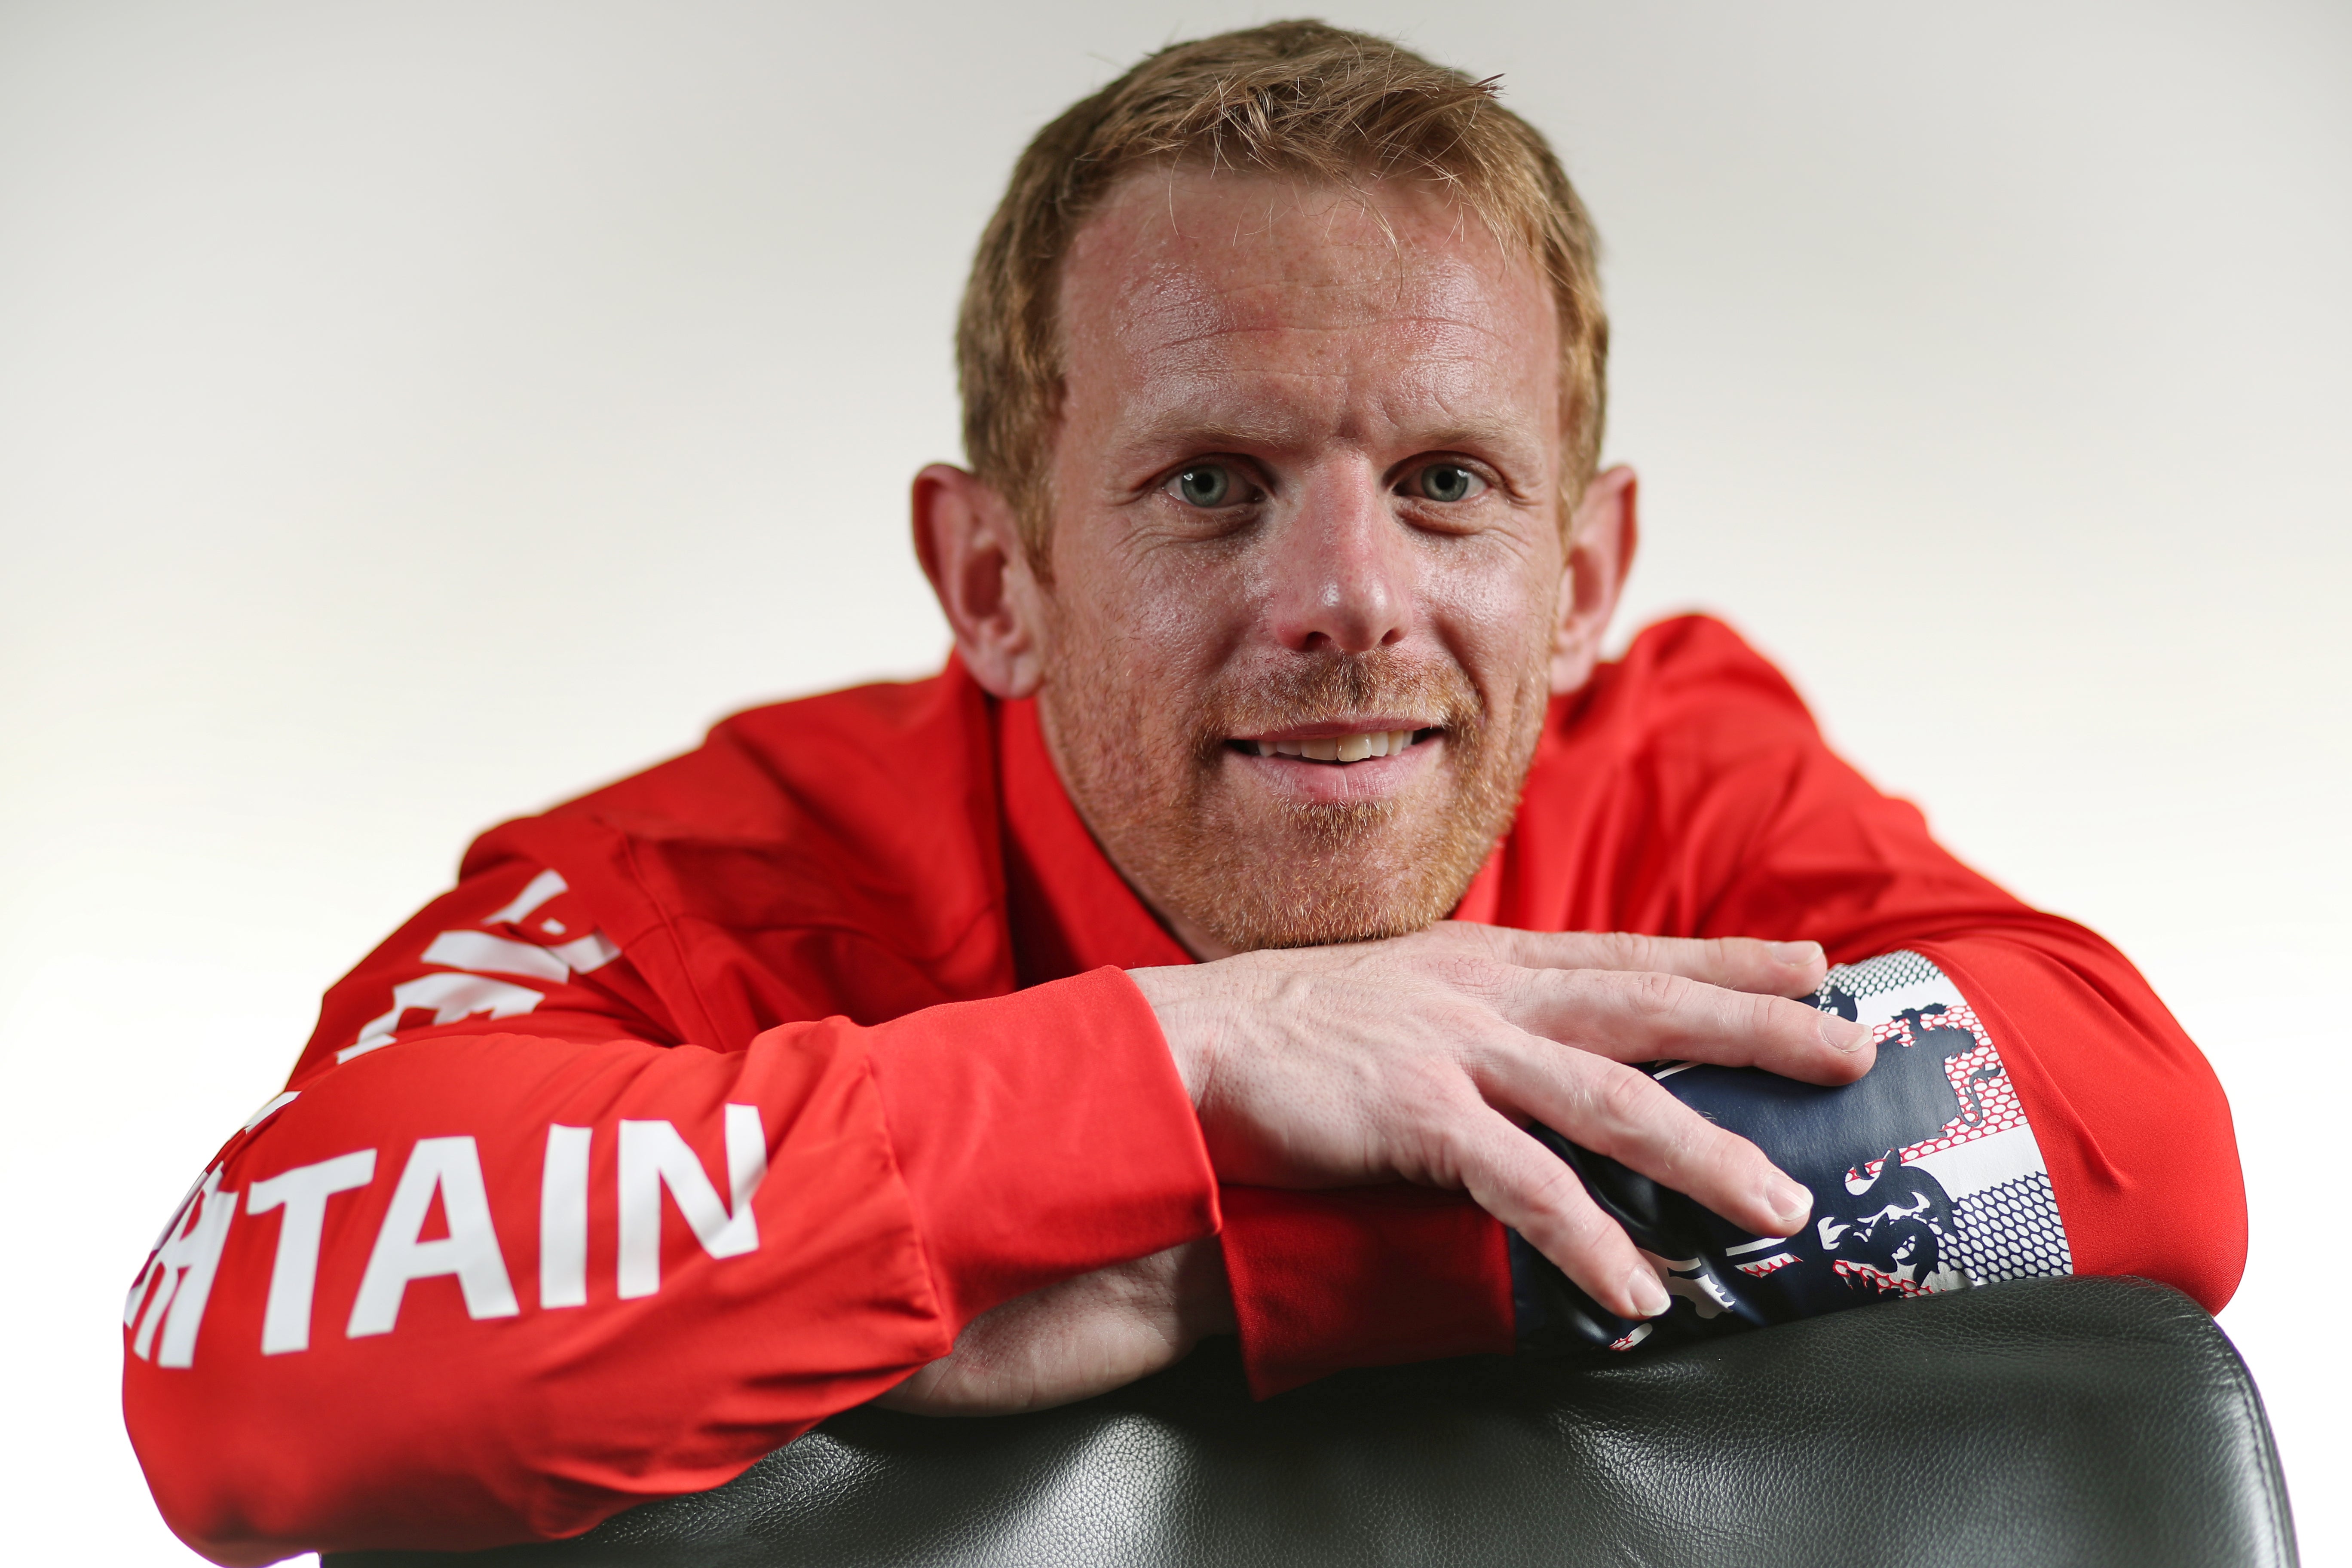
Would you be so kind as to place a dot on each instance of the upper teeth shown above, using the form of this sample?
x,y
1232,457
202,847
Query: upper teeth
x,y
1340,748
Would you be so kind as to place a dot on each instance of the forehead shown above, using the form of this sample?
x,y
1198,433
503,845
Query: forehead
x,y
1184,275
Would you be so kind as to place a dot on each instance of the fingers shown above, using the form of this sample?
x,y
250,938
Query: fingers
x,y
1734,962
1628,1116
1530,1189
1640,1017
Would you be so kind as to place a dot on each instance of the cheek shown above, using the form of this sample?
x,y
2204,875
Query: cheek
x,y
1494,613
1153,624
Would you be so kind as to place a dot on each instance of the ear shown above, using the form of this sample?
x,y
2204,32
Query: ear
x,y
1600,543
971,550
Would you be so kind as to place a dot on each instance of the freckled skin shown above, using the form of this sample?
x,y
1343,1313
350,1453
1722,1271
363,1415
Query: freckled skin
x,y
1246,544
1324,349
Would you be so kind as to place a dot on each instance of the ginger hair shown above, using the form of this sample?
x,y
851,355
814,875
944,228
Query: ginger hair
x,y
1302,100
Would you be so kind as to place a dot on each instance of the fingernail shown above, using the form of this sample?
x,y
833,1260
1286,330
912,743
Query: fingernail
x,y
1789,1203
1650,1298
1843,1034
1798,953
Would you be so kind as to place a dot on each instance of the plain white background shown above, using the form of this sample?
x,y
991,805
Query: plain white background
x,y
414,414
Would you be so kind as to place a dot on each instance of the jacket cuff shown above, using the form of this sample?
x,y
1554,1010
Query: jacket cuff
x,y
1365,1277
1041,1135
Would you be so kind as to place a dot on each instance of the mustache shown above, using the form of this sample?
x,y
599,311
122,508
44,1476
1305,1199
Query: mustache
x,y
1335,687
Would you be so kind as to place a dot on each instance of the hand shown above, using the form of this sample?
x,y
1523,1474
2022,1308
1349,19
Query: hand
x,y
1077,1338
1421,1057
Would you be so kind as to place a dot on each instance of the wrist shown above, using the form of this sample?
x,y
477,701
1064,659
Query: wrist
x,y
1177,999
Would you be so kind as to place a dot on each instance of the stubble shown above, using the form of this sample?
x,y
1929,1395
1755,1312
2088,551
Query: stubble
x,y
1256,873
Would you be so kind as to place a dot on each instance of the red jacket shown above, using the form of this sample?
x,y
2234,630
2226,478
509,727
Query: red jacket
x,y
719,1099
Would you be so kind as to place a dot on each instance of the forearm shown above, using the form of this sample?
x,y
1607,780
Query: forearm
x,y
2076,1105
655,1264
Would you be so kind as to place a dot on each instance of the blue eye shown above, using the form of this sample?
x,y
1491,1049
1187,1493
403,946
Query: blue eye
x,y
1208,485
1447,482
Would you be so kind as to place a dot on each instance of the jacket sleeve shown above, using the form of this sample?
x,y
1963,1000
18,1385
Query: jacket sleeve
x,y
1731,816
2133,1125
515,1262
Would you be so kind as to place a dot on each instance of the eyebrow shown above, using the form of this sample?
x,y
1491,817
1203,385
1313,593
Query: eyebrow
x,y
1175,426
1502,433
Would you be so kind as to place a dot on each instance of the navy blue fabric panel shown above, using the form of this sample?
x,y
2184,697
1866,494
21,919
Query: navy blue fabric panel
x,y
1880,1225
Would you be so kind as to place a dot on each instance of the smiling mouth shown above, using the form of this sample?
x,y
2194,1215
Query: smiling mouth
x,y
1361,746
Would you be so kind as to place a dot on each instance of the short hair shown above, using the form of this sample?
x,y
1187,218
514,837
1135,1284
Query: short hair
x,y
1301,99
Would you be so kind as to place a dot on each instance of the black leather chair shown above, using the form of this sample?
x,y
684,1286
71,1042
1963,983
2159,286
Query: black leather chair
x,y
2054,1421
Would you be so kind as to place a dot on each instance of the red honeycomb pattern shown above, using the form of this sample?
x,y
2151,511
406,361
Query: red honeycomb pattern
x,y
1879,1279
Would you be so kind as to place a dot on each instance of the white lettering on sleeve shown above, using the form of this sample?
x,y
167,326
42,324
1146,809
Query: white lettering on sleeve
x,y
563,1218
588,953
147,1272
452,1166
654,1156
302,1192
746,1161
499,955
543,887
480,950
155,1267
276,1105
451,997
184,1266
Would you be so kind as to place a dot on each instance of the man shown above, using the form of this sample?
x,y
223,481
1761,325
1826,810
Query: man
x,y
1198,952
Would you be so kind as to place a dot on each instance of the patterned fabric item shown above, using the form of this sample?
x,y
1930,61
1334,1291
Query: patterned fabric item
x,y
1925,1178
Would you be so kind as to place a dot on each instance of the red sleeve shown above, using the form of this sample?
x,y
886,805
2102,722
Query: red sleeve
x,y
1363,1276
505,1275
2137,1132
2143,1157
1690,794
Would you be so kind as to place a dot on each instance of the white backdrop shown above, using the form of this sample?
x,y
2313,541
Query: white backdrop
x,y
412,413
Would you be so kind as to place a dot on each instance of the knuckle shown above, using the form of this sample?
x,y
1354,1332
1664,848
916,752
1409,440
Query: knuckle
x,y
1553,1187
1432,1103
1454,1144
1584,949
1433,1092
1447,937
1654,993
1624,951
1559,1199
1490,942
1624,1096
1756,1015
1693,1153
1725,1157
1472,971
1589,1239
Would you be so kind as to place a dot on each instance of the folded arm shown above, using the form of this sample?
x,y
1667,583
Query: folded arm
x,y
497,1267
479,1278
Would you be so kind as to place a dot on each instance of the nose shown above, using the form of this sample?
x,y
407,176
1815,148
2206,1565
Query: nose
x,y
1339,574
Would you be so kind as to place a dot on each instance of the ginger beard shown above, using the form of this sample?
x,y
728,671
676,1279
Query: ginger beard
x,y
1254,872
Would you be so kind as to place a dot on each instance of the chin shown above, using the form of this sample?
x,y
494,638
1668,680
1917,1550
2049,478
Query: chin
x,y
1330,874
1262,850
1259,929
